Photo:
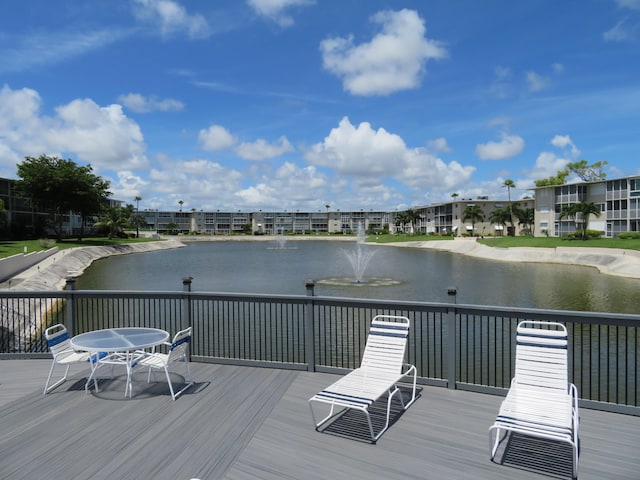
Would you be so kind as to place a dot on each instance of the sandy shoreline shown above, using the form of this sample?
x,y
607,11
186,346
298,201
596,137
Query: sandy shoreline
x,y
51,273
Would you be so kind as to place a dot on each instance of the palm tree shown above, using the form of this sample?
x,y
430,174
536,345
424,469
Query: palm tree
x,y
473,213
412,216
114,220
509,184
581,211
137,199
180,202
500,216
401,220
526,218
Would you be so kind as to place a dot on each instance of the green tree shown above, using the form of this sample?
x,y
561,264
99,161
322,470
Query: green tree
x,y
401,219
581,211
588,172
412,216
61,186
180,202
3,218
509,184
585,171
500,216
172,227
557,179
526,217
114,220
474,214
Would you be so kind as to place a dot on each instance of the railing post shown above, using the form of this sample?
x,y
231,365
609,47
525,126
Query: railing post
x,y
451,343
309,322
70,313
185,319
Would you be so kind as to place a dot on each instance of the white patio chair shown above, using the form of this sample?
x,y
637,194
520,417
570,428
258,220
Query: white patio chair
x,y
162,361
58,341
381,369
541,402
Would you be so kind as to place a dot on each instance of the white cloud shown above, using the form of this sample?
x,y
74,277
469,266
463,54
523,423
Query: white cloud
x,y
274,10
216,137
141,104
547,164
172,18
509,146
261,150
565,143
623,31
372,155
630,4
423,170
393,60
360,150
201,184
102,136
536,82
289,187
46,48
438,145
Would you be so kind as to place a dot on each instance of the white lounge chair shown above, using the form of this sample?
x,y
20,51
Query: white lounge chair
x,y
381,369
541,402
162,361
58,341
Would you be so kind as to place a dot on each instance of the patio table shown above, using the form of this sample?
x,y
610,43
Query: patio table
x,y
121,346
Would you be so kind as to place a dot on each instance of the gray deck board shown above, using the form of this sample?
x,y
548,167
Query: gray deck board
x,y
243,423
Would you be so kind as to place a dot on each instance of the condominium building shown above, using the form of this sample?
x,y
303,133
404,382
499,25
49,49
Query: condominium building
x,y
449,218
260,222
618,199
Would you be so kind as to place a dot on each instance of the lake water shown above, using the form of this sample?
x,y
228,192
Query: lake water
x,y
421,274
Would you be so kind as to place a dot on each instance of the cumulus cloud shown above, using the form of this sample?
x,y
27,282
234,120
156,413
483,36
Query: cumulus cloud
x,y
550,163
216,137
509,146
275,10
171,18
393,60
565,143
360,150
438,145
200,183
102,136
372,155
289,187
140,104
262,150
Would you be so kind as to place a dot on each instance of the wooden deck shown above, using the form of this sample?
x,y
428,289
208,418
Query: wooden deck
x,y
242,423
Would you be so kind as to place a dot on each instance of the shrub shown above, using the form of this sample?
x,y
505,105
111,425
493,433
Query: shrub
x,y
629,235
47,242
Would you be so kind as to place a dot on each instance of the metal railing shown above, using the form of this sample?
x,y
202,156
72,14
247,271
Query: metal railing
x,y
466,347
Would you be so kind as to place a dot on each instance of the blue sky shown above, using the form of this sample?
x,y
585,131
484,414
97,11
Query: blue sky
x,y
298,104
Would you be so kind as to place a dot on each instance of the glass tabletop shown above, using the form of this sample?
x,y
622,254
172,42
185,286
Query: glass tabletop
x,y
119,339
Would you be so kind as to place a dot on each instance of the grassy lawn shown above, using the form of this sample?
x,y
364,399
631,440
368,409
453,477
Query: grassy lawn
x,y
404,237
506,242
8,248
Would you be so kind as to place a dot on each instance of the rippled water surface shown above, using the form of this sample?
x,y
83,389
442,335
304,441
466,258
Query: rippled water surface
x,y
423,275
